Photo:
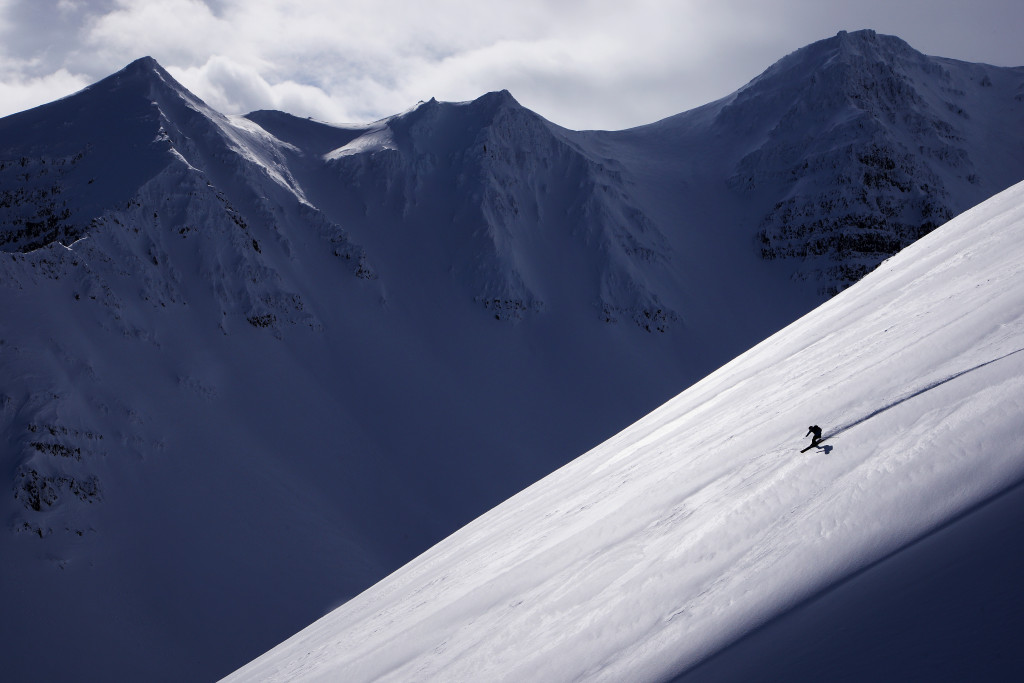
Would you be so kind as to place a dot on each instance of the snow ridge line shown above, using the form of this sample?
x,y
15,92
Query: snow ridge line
x,y
914,394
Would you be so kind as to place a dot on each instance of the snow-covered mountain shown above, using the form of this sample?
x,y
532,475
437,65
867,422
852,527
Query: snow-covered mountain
x,y
253,364
853,147
703,521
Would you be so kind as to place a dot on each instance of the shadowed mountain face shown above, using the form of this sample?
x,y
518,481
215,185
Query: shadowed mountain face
x,y
872,145
252,364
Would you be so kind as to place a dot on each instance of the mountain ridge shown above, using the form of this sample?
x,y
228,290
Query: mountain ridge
x,y
893,99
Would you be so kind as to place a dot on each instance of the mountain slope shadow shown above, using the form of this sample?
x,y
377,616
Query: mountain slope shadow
x,y
946,608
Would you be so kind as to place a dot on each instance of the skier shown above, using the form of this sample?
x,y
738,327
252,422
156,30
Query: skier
x,y
816,431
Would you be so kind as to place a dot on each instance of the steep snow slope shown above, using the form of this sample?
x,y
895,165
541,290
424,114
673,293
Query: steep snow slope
x,y
702,520
252,364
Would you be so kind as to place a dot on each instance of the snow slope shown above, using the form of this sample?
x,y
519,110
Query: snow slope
x,y
702,521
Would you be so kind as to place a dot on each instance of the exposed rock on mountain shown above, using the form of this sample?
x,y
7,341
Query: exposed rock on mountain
x,y
871,145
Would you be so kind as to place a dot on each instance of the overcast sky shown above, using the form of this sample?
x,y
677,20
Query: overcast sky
x,y
581,63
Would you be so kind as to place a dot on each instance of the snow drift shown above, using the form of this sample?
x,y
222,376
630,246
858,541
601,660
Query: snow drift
x,y
702,520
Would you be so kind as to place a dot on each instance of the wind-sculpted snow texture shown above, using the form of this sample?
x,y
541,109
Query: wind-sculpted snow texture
x,y
703,520
251,364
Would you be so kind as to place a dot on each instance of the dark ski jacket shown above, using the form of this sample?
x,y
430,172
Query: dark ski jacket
x,y
816,430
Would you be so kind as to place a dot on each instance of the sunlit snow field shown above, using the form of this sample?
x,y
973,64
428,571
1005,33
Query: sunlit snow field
x,y
703,520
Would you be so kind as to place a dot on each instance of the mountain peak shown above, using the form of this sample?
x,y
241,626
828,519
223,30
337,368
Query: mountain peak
x,y
434,125
869,44
143,64
487,104
500,97
144,72
859,110
865,34
844,48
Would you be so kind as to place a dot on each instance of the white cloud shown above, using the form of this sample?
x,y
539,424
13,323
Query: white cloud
x,y
19,94
580,63
177,30
230,87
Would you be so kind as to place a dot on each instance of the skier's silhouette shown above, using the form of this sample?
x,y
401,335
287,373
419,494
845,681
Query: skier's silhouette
x,y
816,431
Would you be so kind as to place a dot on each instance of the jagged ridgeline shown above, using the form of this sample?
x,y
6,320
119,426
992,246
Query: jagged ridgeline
x,y
509,204
838,156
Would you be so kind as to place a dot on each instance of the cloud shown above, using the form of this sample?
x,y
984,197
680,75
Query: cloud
x,y
178,30
360,60
230,87
580,63
19,93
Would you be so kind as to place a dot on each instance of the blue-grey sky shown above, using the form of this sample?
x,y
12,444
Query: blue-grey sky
x,y
580,63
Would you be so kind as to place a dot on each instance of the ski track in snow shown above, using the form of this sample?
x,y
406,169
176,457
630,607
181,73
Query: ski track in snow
x,y
913,394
